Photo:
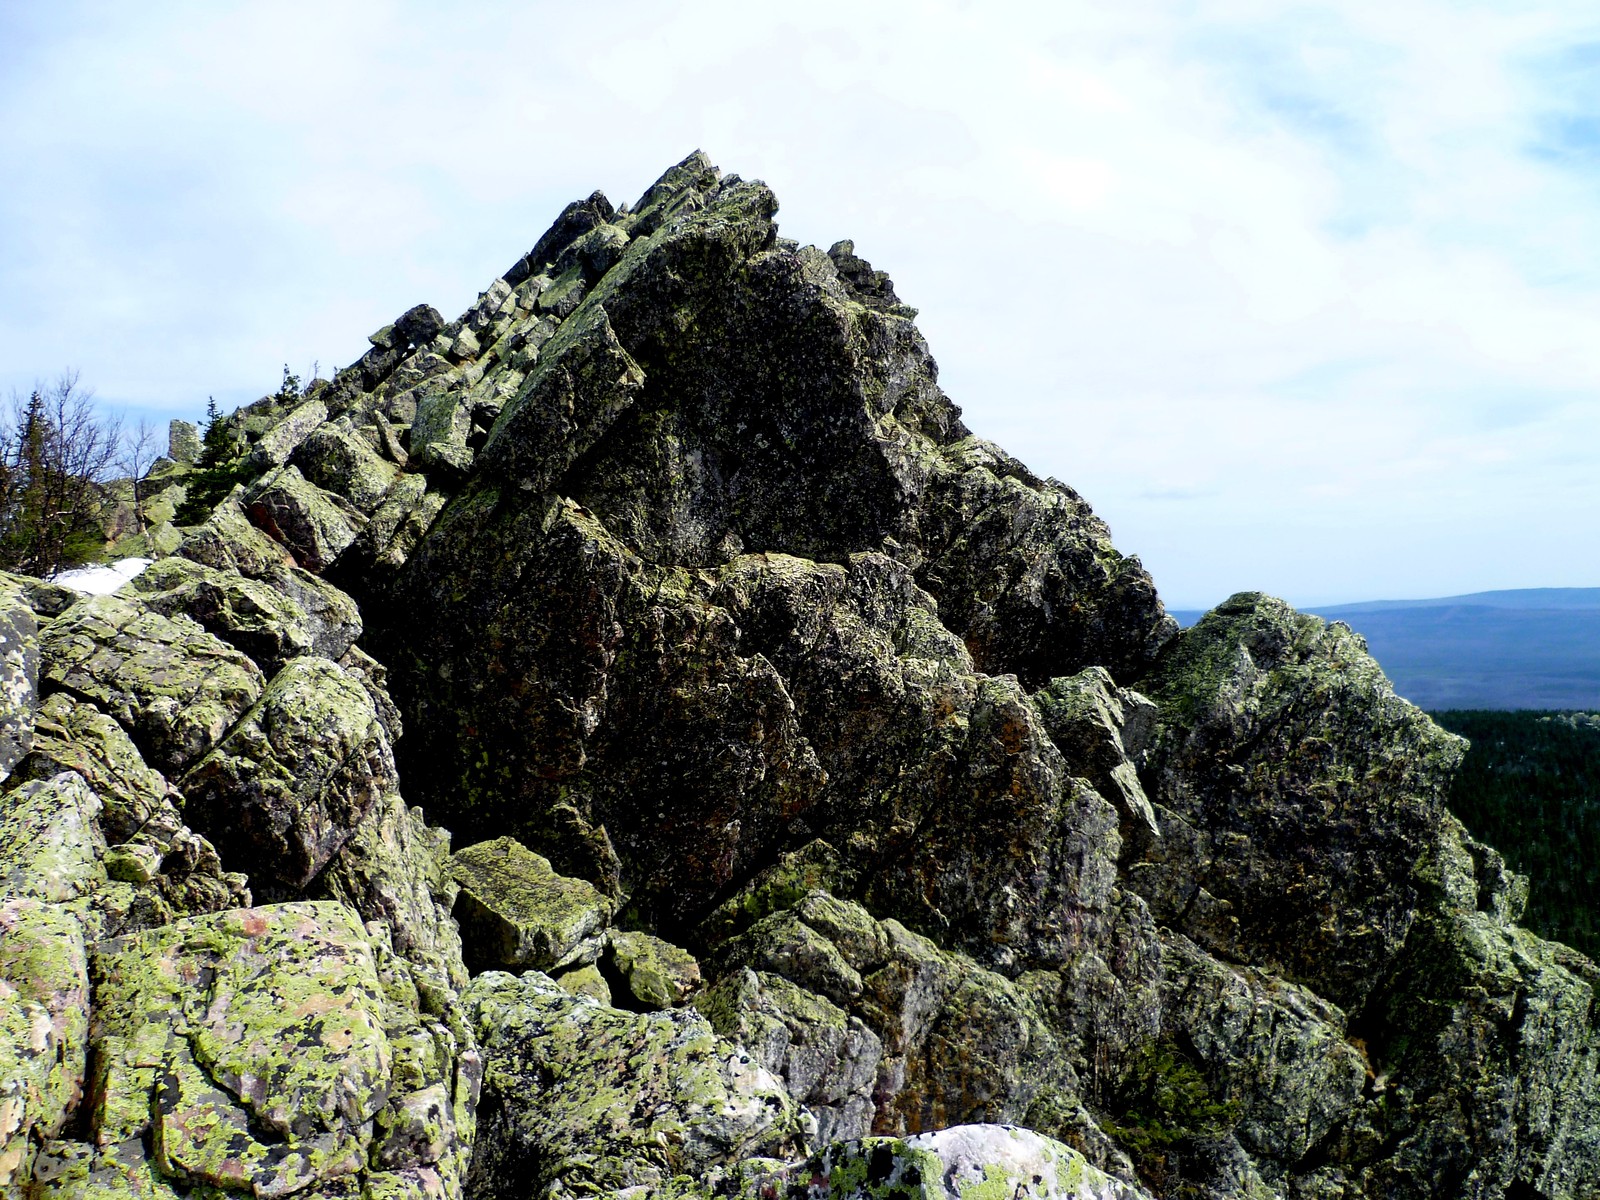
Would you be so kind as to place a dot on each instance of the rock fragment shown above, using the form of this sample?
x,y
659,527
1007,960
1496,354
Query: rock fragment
x,y
516,913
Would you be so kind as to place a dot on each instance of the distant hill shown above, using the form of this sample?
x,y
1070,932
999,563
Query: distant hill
x,y
1526,648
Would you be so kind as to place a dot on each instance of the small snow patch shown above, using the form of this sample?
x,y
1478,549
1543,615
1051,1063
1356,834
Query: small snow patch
x,y
101,581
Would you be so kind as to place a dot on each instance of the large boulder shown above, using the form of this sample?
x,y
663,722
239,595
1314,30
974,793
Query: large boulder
x,y
581,1099
313,524
274,445
247,613
516,913
175,688
269,1050
74,735
286,789
336,458
50,841
227,541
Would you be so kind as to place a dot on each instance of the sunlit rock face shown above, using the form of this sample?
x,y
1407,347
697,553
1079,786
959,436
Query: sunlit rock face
x,y
835,811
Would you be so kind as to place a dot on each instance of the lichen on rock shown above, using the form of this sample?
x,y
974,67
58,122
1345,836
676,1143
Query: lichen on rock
x,y
858,821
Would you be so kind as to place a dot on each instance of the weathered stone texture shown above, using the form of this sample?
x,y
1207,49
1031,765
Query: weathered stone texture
x,y
856,793
173,686
288,786
579,1099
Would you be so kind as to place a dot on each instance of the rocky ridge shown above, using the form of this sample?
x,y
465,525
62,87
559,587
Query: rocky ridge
x,y
836,812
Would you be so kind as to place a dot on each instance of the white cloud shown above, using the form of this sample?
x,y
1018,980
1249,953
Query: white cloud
x,y
1238,271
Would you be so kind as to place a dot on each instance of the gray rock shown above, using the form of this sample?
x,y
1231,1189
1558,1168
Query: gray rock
x,y
288,786
1279,733
50,842
19,677
183,442
395,870
73,735
174,687
584,1099
247,613
1085,714
273,1050
516,913
44,1031
277,443
654,973
336,459
228,541
314,525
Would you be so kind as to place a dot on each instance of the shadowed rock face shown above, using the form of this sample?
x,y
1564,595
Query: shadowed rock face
x,y
879,833
723,571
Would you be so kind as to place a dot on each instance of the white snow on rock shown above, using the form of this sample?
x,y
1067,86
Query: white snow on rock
x,y
1015,1164
101,581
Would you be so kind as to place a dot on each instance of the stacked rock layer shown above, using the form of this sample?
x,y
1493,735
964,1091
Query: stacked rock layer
x,y
837,812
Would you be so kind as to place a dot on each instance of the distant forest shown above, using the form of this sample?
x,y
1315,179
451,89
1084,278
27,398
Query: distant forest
x,y
1530,787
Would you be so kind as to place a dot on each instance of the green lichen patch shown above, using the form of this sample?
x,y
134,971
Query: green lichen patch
x,y
965,1162
517,913
72,735
44,1005
174,687
656,973
249,614
50,841
249,1045
582,1099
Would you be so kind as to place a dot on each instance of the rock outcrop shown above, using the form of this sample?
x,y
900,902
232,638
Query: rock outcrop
x,y
837,813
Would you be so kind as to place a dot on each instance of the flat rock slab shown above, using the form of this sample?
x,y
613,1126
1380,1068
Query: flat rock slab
x,y
516,913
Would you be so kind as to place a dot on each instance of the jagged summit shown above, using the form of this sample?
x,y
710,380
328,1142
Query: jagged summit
x,y
829,798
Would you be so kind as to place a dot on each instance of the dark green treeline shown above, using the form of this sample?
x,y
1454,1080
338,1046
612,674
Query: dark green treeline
x,y
1530,787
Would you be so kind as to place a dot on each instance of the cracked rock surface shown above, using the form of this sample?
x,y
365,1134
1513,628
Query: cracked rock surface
x,y
634,740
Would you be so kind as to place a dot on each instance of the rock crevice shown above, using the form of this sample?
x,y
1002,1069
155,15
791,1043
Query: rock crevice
x,y
837,812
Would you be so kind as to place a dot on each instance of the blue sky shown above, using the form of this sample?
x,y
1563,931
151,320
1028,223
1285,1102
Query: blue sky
x,y
1303,298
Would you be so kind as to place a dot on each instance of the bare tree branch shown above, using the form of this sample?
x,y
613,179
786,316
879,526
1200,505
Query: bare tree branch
x,y
137,452
59,452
